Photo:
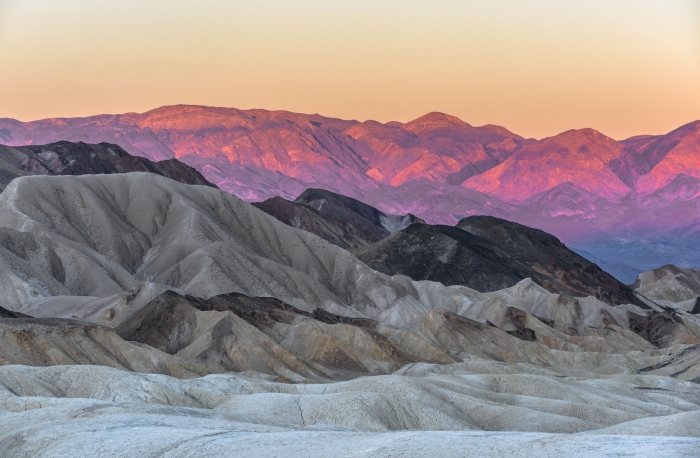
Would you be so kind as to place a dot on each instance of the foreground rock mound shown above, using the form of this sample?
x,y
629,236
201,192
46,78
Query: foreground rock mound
x,y
477,408
57,342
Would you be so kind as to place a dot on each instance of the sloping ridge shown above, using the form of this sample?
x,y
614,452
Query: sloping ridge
x,y
341,220
555,266
369,220
669,283
67,158
326,225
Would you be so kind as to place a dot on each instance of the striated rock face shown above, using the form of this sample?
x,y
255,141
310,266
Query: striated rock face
x,y
251,293
57,341
670,284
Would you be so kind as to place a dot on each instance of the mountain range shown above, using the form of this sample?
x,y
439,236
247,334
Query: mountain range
x,y
629,205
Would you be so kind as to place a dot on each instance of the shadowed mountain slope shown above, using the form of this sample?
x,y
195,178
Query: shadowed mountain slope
x,y
487,253
339,219
326,225
371,221
557,267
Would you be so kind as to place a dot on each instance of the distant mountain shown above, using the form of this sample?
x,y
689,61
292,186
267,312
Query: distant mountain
x,y
66,158
244,151
596,194
672,155
586,158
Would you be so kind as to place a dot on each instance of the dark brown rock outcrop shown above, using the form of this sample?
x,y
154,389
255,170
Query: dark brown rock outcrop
x,y
487,253
68,158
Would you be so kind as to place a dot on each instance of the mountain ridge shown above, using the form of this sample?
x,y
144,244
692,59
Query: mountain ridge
x,y
437,167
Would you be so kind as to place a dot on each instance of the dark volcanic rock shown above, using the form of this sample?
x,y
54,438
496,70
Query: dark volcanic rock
x,y
375,224
696,307
341,220
67,158
168,322
326,225
555,267
487,254
4,313
660,328
445,254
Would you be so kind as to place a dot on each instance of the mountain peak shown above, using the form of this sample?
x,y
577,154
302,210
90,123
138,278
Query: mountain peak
x,y
435,120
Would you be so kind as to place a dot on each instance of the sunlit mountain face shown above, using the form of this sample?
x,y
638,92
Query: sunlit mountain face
x,y
629,205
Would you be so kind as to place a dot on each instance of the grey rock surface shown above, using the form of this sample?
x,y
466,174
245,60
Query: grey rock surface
x,y
147,317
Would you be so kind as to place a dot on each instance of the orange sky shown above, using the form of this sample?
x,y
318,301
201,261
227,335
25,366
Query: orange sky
x,y
624,67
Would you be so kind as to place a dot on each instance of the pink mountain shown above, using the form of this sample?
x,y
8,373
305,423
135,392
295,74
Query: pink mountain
x,y
580,185
586,158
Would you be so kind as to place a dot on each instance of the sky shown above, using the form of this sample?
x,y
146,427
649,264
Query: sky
x,y
537,67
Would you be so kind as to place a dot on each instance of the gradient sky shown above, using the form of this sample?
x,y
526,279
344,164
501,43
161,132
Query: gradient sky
x,y
537,67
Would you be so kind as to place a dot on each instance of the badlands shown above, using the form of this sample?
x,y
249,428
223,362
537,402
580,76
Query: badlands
x,y
142,316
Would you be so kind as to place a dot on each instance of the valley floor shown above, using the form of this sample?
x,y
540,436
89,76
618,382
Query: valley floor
x,y
479,408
